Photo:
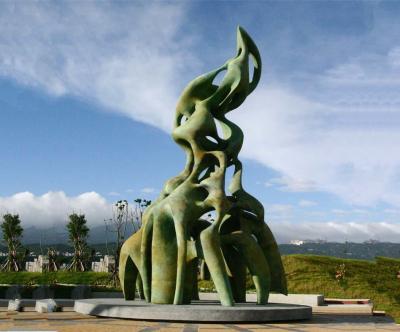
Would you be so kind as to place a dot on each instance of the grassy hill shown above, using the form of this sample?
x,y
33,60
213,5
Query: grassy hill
x,y
361,279
343,278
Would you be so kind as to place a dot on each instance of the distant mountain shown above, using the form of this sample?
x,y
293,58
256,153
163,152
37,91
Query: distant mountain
x,y
59,235
101,239
344,250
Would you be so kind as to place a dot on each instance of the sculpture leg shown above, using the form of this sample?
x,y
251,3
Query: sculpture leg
x,y
129,264
180,229
190,287
195,287
164,259
128,273
270,249
204,272
238,271
255,261
145,254
139,287
210,243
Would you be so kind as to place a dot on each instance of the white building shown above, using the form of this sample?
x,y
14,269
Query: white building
x,y
297,242
301,242
106,264
39,264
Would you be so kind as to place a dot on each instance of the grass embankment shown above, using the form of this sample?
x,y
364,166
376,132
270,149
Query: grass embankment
x,y
362,279
61,282
309,274
59,277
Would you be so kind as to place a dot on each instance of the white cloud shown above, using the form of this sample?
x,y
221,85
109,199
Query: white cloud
x,y
307,203
367,69
307,142
335,231
148,190
286,183
391,211
53,208
339,211
127,58
360,211
340,138
279,211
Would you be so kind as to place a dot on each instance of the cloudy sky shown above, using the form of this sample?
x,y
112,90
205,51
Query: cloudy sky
x,y
88,91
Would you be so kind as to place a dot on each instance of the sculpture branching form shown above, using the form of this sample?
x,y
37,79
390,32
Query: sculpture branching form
x,y
161,259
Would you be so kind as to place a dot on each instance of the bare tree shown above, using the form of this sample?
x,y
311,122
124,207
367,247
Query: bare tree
x,y
137,214
122,215
117,225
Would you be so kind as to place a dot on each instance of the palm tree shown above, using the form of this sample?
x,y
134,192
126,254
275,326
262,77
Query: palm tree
x,y
12,234
78,234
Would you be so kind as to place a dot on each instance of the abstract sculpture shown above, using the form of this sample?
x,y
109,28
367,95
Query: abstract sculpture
x,y
161,259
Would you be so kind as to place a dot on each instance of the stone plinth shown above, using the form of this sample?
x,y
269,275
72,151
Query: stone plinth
x,y
313,300
199,311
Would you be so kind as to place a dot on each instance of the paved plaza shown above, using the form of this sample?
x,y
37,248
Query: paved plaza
x,y
71,321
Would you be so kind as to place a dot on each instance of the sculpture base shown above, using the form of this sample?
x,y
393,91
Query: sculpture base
x,y
198,311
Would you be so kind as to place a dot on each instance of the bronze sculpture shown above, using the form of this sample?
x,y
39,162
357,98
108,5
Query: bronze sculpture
x,y
161,259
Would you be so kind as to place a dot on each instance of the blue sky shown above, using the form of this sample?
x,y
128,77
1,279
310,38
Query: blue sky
x,y
88,90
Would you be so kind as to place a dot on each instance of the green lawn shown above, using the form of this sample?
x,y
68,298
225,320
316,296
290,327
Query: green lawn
x,y
309,274
60,277
305,274
362,279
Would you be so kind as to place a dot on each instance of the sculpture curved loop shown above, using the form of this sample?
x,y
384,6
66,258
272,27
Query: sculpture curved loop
x,y
162,257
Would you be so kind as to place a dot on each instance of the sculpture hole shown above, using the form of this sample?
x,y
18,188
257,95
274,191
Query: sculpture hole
x,y
209,216
182,119
229,173
203,174
201,193
220,131
208,165
219,78
252,68
212,139
250,212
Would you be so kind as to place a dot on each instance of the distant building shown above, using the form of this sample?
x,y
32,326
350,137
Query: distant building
x,y
371,241
301,242
106,264
297,242
39,264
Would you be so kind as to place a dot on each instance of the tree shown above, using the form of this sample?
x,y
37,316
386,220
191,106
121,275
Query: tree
x,y
53,256
117,225
122,214
12,234
78,233
137,215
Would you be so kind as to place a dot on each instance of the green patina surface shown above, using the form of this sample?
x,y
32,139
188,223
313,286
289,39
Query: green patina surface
x,y
161,259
